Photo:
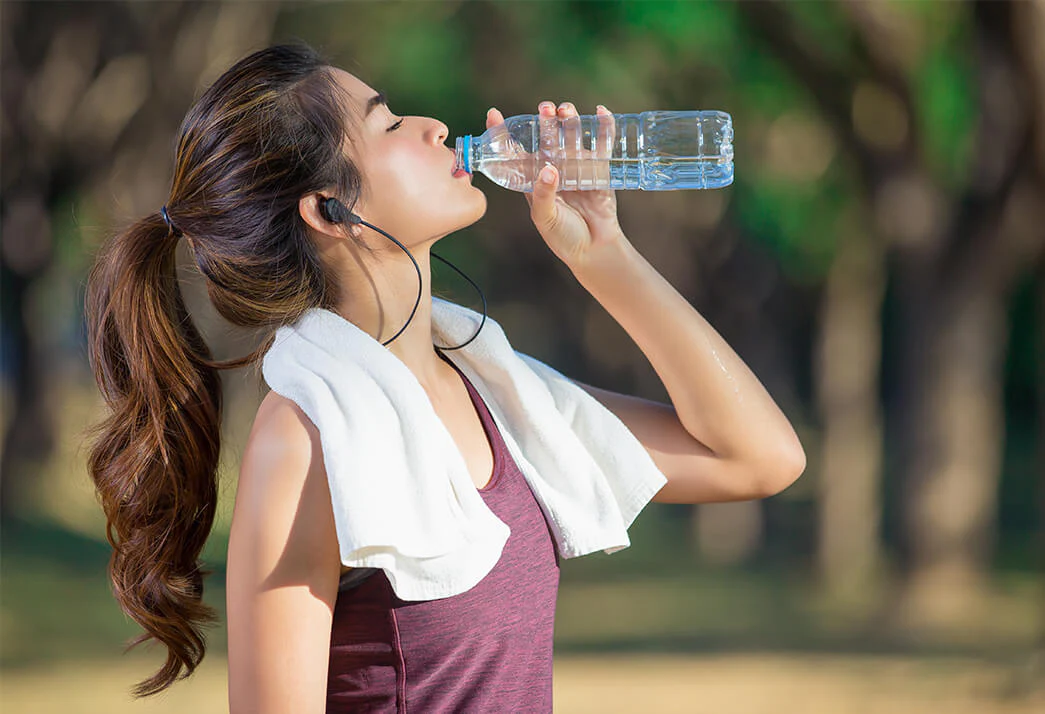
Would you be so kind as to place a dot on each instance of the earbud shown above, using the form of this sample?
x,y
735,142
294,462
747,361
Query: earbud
x,y
334,211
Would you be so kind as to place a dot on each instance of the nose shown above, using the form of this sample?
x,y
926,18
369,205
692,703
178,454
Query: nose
x,y
440,132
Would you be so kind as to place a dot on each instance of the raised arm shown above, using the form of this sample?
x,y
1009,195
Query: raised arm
x,y
723,438
283,568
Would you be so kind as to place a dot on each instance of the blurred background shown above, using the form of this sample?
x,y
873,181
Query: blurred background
x,y
879,263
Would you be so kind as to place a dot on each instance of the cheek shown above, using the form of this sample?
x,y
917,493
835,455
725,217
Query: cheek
x,y
411,178
406,173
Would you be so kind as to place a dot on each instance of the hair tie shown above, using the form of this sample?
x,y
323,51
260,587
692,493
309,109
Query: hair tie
x,y
167,220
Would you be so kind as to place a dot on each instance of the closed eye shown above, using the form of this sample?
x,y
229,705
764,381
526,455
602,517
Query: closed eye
x,y
395,126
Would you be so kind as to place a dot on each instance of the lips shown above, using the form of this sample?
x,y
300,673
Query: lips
x,y
455,171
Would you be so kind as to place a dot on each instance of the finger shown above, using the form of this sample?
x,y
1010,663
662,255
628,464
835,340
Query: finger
x,y
607,132
605,142
570,129
543,209
493,117
499,135
572,143
548,124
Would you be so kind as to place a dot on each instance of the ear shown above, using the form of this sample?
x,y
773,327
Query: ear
x,y
308,207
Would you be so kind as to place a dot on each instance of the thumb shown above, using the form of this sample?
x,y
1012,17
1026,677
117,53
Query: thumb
x,y
543,210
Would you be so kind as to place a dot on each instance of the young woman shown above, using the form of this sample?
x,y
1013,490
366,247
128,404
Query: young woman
x,y
291,176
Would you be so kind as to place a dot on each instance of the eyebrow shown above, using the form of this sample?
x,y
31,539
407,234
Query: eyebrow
x,y
378,98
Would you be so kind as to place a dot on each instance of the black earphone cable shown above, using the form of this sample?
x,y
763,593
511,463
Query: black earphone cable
x,y
334,211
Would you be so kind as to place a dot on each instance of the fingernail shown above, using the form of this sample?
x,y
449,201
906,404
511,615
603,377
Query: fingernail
x,y
599,106
489,110
547,174
547,105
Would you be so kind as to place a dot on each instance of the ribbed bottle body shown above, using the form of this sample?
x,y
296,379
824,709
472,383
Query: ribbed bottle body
x,y
651,151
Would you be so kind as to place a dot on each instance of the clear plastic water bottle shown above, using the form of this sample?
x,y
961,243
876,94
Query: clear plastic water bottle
x,y
652,151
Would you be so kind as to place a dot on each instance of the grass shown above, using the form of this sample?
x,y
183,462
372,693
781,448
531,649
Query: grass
x,y
608,684
647,628
56,603
643,629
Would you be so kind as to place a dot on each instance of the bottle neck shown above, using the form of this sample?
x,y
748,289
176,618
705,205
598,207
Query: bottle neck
x,y
465,153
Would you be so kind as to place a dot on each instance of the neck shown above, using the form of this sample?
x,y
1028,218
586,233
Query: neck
x,y
379,303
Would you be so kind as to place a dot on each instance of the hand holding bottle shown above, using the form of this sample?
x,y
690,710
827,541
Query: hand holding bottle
x,y
572,223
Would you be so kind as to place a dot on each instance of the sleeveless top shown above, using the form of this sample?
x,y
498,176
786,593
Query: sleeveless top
x,y
486,649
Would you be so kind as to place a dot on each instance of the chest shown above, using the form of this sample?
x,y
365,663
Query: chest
x,y
459,415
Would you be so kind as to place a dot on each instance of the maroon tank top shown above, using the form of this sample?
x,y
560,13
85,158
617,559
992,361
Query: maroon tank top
x,y
483,650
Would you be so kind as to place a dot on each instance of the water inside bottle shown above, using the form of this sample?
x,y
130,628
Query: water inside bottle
x,y
616,174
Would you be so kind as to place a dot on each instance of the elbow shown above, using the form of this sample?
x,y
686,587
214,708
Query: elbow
x,y
795,467
777,472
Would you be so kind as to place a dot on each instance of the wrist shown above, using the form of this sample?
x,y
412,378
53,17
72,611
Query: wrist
x,y
605,255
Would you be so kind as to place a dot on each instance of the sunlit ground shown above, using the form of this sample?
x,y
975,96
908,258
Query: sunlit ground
x,y
849,684
704,640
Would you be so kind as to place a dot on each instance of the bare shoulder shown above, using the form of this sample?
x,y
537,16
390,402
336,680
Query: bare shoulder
x,y
282,566
283,452
283,515
281,424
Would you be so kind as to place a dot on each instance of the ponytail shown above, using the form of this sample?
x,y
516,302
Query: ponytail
x,y
270,130
154,459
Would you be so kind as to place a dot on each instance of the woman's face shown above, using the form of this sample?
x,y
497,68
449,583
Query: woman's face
x,y
411,191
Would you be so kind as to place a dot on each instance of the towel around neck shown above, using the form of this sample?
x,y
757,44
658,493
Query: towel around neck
x,y
402,495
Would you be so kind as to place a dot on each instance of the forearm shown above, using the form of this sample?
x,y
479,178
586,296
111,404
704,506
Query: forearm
x,y
719,401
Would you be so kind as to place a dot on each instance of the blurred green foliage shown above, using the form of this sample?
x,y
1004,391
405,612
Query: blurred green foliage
x,y
800,197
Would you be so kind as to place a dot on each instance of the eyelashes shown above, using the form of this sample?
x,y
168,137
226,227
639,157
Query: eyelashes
x,y
396,125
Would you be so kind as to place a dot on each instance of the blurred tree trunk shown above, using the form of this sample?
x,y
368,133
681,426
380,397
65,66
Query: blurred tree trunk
x,y
955,292
956,262
727,533
848,349
29,437
1037,665
1041,459
93,96
952,435
846,373
1031,24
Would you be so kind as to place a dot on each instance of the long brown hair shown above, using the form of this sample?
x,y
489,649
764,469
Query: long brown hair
x,y
269,130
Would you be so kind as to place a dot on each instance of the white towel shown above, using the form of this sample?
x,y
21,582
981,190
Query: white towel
x,y
402,495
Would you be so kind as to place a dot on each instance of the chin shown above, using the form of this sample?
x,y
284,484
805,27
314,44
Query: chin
x,y
474,209
468,215
482,202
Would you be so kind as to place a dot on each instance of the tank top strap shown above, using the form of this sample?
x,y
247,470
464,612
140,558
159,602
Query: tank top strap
x,y
501,454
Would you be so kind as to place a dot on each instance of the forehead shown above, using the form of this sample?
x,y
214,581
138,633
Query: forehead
x,y
358,92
